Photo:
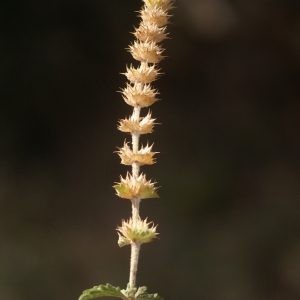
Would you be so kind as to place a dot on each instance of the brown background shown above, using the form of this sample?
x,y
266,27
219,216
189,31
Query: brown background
x,y
229,143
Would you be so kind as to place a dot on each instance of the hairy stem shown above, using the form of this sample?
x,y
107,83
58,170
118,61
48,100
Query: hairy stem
x,y
135,209
135,247
135,134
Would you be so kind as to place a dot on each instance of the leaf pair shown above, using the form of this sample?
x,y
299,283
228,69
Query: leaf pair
x,y
111,291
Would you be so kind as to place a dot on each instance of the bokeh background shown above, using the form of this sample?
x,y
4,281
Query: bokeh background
x,y
229,143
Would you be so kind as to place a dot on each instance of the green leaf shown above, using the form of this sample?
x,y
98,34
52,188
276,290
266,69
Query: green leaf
x,y
141,290
148,192
123,241
103,291
123,191
147,296
142,295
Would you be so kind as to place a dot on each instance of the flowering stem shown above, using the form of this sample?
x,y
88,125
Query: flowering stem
x,y
140,94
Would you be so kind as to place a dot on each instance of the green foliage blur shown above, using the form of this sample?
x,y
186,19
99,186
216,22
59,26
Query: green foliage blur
x,y
229,143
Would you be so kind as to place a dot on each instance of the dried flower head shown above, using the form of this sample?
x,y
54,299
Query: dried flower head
x,y
149,31
144,73
144,156
146,51
135,187
163,4
143,126
155,15
139,232
139,94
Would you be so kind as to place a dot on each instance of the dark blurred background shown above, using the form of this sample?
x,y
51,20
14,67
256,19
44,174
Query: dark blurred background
x,y
229,143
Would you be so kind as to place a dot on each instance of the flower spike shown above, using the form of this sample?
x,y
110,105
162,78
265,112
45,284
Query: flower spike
x,y
138,93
